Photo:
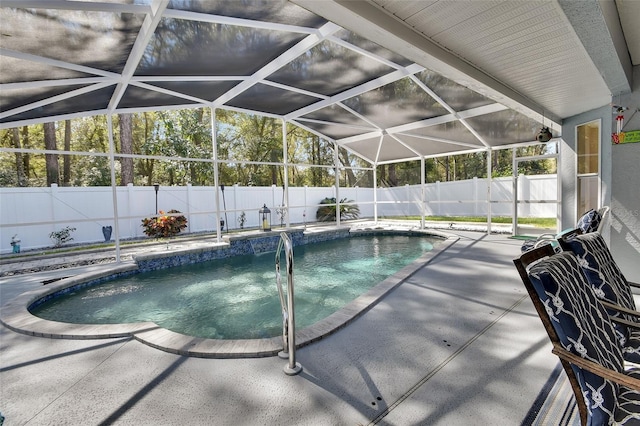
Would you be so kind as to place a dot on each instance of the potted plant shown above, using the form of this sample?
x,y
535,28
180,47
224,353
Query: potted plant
x,y
282,214
165,225
15,244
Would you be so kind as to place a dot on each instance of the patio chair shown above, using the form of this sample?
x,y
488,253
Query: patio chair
x,y
583,337
591,221
609,285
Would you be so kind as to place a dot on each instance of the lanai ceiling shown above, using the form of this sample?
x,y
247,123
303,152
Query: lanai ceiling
x,y
388,80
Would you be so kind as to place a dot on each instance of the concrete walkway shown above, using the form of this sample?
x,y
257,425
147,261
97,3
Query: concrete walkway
x,y
458,343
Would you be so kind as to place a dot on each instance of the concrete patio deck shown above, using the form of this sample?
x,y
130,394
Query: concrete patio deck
x,y
458,343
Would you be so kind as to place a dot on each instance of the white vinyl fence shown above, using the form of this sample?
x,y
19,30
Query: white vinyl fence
x,y
32,214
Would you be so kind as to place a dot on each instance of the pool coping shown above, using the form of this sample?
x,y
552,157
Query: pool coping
x,y
16,316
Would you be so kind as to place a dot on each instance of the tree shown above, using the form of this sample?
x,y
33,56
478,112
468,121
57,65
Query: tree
x,y
26,157
343,156
126,147
249,147
51,160
250,139
147,144
22,177
66,160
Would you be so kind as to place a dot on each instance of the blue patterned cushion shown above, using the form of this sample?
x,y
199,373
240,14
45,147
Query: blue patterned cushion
x,y
627,410
608,282
601,269
528,245
589,221
631,348
583,327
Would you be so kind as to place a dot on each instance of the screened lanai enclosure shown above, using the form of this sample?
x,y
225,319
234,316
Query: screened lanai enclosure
x,y
112,112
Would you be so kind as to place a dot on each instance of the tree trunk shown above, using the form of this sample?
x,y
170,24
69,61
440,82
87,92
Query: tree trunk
x,y
393,177
315,172
344,159
447,169
126,147
51,160
66,160
21,177
274,169
26,157
149,170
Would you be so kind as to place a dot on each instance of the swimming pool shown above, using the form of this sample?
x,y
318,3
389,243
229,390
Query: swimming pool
x,y
236,298
15,314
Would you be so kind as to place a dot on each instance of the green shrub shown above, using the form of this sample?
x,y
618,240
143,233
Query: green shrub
x,y
164,225
327,213
62,236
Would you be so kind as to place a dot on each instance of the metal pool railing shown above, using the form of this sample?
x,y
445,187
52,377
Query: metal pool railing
x,y
286,302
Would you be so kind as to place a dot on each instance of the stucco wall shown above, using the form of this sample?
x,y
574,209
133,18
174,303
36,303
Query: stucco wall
x,y
620,174
625,208
625,190
568,162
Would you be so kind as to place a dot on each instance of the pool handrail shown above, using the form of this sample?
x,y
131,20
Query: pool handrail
x,y
288,317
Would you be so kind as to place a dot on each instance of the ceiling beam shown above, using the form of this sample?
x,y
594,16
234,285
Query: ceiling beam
x,y
597,25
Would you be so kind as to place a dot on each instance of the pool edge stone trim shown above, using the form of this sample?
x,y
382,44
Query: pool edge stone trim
x,y
15,313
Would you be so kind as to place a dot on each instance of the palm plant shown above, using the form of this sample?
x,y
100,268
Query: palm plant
x,y
327,211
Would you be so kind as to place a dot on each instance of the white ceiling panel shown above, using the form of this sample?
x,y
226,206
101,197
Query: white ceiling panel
x,y
527,45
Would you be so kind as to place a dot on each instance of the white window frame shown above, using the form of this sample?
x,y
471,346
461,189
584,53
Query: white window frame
x,y
598,174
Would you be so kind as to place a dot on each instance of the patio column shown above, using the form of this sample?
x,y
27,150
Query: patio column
x,y
114,188
285,184
375,193
514,194
489,180
336,162
214,142
422,192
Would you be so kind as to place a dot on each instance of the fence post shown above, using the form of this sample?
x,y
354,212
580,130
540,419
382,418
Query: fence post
x,y
130,212
273,198
355,193
438,199
407,200
188,212
235,206
475,196
53,197
304,209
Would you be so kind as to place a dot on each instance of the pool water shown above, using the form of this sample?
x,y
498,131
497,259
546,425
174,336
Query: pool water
x,y
237,298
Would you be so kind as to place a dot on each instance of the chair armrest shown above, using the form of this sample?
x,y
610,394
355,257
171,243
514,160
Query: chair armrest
x,y
619,308
630,324
595,368
631,284
546,236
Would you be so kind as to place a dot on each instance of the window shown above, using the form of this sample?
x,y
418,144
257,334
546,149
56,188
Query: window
x,y
588,177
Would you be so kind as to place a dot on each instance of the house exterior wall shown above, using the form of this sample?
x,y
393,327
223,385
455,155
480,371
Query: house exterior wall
x,y
625,191
620,179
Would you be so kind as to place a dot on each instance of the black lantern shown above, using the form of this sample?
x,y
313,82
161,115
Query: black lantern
x,y
156,186
265,218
